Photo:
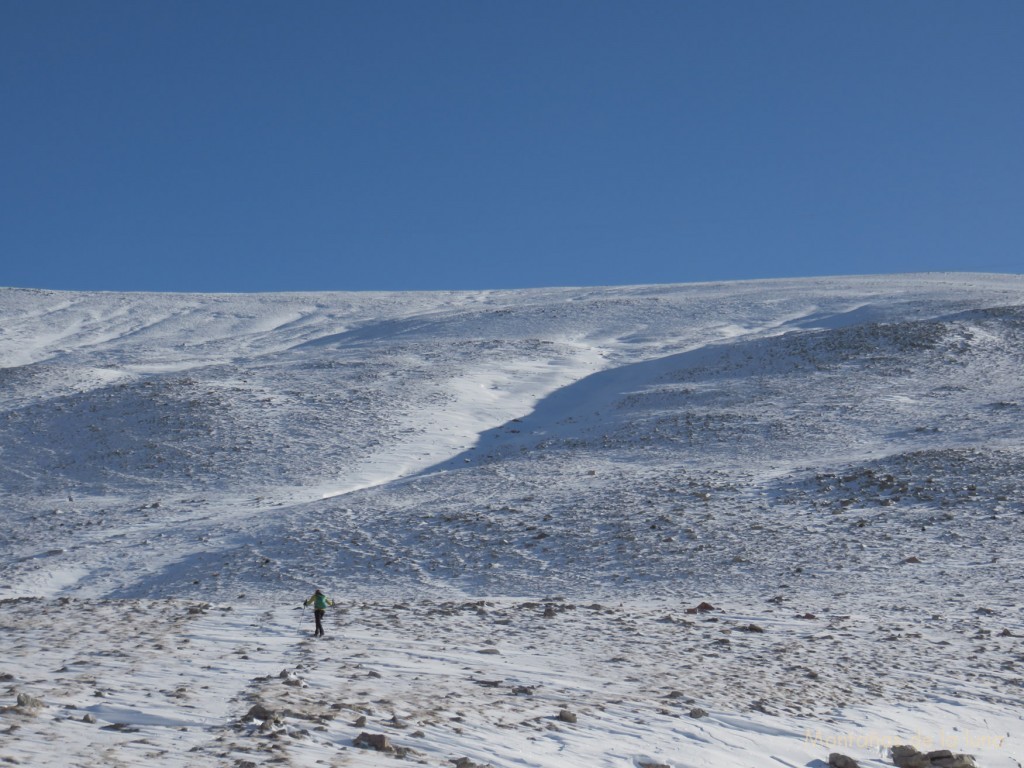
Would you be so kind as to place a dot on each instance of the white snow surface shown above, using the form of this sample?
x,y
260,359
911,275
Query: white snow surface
x,y
518,500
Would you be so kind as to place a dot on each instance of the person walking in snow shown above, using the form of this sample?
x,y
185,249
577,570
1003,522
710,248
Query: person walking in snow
x,y
319,601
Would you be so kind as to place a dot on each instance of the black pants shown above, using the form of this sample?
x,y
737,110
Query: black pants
x,y
318,615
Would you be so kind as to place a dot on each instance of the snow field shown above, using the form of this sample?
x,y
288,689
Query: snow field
x,y
171,683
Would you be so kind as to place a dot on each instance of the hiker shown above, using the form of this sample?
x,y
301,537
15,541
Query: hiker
x,y
319,601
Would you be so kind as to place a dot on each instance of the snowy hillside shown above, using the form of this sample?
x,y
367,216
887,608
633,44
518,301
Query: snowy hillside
x,y
518,500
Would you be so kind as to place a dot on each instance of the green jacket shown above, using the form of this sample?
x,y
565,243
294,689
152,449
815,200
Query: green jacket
x,y
319,601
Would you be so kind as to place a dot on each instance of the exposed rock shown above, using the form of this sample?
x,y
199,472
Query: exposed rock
x,y
273,728
948,760
837,760
360,721
259,712
906,756
377,741
29,702
566,716
697,713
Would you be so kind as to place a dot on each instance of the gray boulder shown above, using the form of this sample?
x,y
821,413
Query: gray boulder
x,y
837,760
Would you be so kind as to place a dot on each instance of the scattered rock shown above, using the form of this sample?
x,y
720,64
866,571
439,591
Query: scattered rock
x,y
489,683
566,716
696,713
761,705
120,728
360,722
702,608
89,718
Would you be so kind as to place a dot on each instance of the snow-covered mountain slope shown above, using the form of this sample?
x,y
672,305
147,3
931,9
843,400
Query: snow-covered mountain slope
x,y
416,414
848,449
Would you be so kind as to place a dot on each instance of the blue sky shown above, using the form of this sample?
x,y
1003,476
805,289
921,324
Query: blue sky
x,y
401,145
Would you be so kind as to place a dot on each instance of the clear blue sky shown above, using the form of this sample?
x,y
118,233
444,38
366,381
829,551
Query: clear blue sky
x,y
430,144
